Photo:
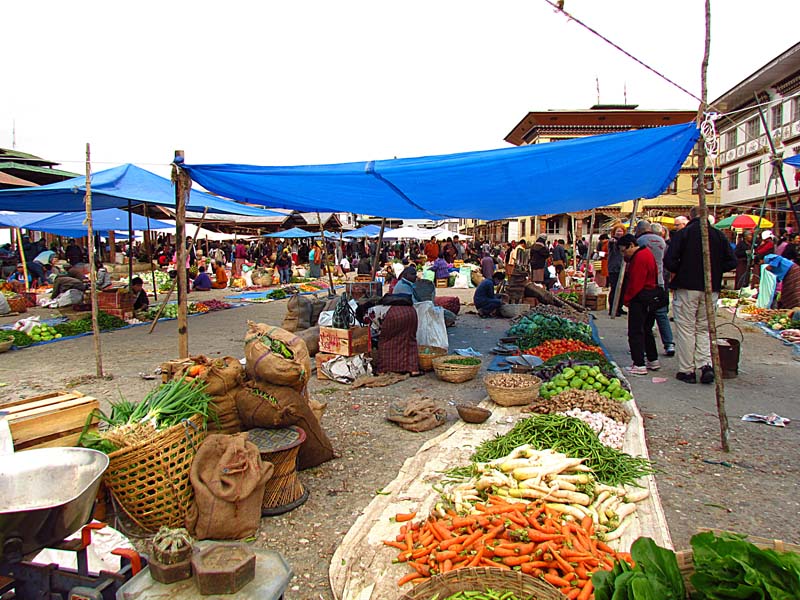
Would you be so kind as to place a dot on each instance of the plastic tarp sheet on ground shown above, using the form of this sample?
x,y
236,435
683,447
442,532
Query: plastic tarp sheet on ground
x,y
572,175
115,188
73,224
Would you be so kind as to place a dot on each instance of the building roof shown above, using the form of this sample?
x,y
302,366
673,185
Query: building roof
x,y
10,181
784,70
592,121
24,157
35,174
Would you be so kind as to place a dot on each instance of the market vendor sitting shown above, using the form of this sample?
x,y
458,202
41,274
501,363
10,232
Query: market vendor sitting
x,y
441,269
19,275
221,276
140,300
486,301
364,266
202,282
405,285
788,274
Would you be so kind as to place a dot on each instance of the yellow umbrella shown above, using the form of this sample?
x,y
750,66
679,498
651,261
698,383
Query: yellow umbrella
x,y
664,220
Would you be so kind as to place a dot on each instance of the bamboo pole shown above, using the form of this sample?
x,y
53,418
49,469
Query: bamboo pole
x,y
130,241
181,191
777,165
378,249
331,291
621,280
149,251
92,274
711,307
586,261
23,259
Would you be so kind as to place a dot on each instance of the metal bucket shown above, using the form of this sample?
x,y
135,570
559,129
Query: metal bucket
x,y
729,353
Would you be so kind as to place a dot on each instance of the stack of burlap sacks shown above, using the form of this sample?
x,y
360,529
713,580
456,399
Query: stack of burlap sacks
x,y
302,315
269,392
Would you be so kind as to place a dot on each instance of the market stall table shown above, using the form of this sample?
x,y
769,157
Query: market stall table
x,y
362,567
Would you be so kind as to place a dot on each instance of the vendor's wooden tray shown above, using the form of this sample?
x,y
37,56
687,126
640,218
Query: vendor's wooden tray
x,y
49,420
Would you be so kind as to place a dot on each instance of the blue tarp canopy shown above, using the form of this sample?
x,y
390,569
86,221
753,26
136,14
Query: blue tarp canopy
x,y
72,224
294,232
793,161
10,218
572,175
366,231
114,188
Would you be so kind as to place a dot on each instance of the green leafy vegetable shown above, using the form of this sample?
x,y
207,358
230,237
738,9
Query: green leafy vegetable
x,y
728,566
656,576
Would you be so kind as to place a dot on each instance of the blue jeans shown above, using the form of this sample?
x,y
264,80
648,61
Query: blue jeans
x,y
489,307
285,274
664,328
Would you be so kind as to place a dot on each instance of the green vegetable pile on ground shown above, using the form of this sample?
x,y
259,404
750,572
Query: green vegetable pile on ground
x,y
585,377
487,594
467,361
656,576
533,329
276,294
104,320
574,438
21,339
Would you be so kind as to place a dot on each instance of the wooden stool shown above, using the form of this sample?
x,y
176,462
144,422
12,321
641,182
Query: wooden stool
x,y
442,282
283,491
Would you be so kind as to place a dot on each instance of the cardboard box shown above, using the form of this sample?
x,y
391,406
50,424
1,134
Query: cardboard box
x,y
321,358
344,342
54,419
120,299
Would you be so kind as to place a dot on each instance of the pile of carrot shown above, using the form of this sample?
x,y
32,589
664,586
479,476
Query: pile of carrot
x,y
531,538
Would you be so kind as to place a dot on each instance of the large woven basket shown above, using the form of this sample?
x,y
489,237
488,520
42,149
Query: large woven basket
x,y
509,311
452,372
427,354
150,480
479,579
686,557
518,396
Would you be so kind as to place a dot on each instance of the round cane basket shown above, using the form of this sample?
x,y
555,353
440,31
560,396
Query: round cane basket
x,y
427,354
479,579
516,396
150,480
283,491
509,311
454,372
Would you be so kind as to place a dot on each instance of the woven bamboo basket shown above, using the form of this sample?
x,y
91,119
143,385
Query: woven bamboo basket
x,y
518,396
686,557
150,480
479,579
427,354
453,372
283,491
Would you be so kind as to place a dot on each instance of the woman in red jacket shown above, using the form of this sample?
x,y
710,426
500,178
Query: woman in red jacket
x,y
641,289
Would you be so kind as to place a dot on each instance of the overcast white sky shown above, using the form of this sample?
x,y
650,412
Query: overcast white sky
x,y
305,82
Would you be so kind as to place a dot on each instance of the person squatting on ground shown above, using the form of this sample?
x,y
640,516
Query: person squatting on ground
x,y
486,301
641,292
684,258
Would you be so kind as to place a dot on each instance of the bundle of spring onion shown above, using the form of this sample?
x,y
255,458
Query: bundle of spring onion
x,y
129,423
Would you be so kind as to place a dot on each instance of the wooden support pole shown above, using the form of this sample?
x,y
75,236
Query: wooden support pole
x,y
112,250
586,261
23,259
378,249
181,192
711,306
621,280
92,273
130,241
149,250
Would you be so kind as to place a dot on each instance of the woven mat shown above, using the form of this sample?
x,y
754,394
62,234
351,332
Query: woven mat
x,y
361,567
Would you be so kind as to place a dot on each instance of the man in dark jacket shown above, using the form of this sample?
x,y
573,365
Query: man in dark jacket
x,y
486,301
684,258
538,259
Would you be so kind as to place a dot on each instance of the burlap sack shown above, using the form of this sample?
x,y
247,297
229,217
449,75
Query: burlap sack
x,y
317,306
311,337
298,311
317,448
227,420
268,367
318,409
228,477
223,375
416,414
269,406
